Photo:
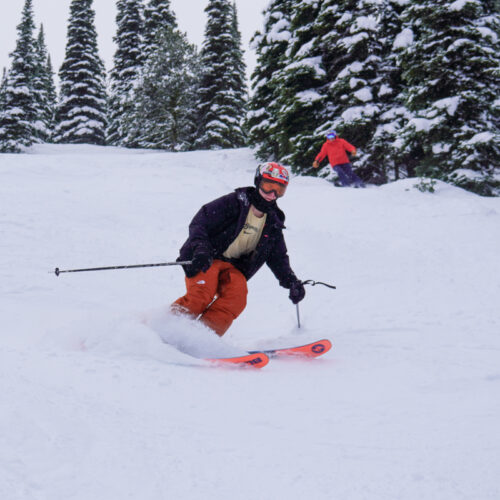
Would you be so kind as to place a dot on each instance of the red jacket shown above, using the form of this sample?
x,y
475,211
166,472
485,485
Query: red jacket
x,y
336,151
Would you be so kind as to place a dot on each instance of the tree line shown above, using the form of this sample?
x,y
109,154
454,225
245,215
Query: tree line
x,y
161,92
414,84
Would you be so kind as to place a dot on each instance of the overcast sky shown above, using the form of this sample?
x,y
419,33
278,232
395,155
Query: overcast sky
x,y
53,14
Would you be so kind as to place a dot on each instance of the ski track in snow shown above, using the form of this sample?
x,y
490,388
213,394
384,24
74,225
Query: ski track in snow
x,y
98,403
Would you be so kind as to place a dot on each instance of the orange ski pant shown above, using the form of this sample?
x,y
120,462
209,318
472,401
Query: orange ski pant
x,y
222,282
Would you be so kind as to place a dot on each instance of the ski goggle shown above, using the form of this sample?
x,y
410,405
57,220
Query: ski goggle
x,y
272,187
330,136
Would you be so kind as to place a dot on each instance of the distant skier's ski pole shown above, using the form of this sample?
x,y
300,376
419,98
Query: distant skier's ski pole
x,y
312,283
182,263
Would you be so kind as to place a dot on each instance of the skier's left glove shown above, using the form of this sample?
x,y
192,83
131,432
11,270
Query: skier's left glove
x,y
201,262
297,292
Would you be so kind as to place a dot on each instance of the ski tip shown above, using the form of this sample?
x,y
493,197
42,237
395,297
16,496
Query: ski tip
x,y
320,347
312,350
254,360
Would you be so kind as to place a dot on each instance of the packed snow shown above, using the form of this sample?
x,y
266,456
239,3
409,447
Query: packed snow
x,y
97,403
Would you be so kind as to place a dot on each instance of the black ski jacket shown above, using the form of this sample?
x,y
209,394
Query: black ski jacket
x,y
218,223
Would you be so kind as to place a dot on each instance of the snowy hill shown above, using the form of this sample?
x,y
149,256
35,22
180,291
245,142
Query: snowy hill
x,y
95,406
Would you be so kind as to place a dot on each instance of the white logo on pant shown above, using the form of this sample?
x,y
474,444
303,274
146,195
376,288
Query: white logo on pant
x,y
201,282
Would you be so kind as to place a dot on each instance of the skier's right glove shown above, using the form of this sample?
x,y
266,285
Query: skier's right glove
x,y
297,292
315,164
201,262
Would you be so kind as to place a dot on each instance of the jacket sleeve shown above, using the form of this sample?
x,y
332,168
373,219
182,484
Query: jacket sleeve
x,y
321,155
279,263
348,147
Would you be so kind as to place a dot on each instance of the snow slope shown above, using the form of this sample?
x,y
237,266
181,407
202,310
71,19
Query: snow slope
x,y
93,405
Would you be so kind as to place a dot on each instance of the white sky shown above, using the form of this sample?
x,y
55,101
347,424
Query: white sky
x,y
54,16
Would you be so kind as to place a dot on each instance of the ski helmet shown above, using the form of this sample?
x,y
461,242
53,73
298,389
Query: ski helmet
x,y
272,171
331,134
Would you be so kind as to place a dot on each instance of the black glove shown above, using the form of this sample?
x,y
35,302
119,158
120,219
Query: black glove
x,y
201,262
297,292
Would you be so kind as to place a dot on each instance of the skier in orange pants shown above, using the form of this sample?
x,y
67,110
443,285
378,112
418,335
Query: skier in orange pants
x,y
230,239
225,282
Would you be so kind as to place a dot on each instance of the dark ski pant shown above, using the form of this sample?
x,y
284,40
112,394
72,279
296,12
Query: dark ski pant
x,y
346,175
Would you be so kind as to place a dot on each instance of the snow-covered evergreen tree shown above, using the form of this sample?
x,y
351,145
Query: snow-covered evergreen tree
x,y
382,154
128,61
44,88
163,108
81,115
301,79
158,16
17,119
239,72
51,93
270,47
165,103
221,110
451,74
3,89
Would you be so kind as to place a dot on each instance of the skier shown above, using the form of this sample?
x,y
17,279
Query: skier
x,y
229,240
335,148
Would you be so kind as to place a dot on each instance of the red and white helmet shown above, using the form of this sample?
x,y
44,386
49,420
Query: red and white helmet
x,y
272,171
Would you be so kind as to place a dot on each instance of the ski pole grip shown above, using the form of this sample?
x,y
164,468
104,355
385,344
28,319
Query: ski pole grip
x,y
313,283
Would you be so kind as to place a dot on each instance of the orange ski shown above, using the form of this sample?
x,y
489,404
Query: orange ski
x,y
312,350
254,360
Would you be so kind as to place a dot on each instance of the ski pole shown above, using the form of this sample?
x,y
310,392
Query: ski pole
x,y
181,263
312,283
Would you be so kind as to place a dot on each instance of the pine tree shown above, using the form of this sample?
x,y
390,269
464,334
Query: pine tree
x,y
221,110
382,153
158,16
301,80
81,115
19,113
164,106
451,74
51,93
3,90
270,47
128,61
44,89
239,78
165,102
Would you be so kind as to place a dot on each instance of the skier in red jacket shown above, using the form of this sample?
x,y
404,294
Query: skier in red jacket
x,y
335,148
